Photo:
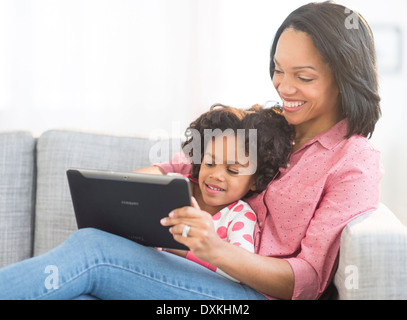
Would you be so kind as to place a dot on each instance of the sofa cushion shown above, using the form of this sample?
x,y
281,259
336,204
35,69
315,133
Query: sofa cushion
x,y
59,150
16,200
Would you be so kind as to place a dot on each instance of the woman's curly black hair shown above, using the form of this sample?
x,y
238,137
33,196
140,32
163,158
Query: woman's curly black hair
x,y
274,136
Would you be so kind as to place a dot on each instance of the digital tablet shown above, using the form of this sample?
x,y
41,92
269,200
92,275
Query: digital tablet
x,y
130,205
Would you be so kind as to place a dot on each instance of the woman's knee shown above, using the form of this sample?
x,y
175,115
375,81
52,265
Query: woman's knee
x,y
87,238
86,233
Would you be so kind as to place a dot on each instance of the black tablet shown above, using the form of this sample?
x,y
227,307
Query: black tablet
x,y
130,205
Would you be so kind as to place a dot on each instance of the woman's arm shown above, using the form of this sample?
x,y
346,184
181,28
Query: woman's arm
x,y
268,275
150,170
271,276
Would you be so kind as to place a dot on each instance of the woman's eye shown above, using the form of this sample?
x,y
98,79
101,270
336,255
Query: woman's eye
x,y
305,79
277,71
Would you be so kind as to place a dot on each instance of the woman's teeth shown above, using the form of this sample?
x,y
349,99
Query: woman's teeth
x,y
293,104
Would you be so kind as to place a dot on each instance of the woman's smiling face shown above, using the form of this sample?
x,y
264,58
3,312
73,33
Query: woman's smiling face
x,y
305,83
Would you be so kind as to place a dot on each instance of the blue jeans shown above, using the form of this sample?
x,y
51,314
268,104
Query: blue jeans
x,y
93,263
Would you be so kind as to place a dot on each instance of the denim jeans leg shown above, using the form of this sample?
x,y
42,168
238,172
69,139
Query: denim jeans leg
x,y
105,266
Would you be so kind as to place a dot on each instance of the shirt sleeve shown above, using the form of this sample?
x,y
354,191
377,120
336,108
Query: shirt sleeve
x,y
241,228
352,191
178,164
239,233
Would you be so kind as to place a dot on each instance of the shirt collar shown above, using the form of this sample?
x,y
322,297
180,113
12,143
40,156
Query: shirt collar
x,y
330,138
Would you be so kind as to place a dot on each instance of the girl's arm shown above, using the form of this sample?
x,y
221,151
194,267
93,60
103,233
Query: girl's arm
x,y
181,253
179,164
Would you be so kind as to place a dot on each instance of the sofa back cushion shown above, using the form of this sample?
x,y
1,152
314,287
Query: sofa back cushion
x,y
59,150
16,196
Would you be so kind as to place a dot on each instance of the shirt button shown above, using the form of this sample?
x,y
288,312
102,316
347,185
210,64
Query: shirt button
x,y
260,224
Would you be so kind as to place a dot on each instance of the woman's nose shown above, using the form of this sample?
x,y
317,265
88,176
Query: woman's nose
x,y
285,86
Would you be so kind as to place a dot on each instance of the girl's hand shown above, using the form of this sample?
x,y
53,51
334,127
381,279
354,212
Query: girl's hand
x,y
202,238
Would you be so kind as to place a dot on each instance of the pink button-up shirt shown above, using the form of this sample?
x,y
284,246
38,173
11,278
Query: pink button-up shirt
x,y
330,181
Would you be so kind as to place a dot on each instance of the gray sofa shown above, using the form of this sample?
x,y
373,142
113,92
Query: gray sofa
x,y
36,213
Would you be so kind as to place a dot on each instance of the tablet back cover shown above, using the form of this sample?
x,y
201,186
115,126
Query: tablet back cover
x,y
125,205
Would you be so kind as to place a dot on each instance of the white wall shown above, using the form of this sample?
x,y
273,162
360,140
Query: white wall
x,y
129,67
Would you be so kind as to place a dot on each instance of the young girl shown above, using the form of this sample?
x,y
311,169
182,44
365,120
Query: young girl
x,y
222,177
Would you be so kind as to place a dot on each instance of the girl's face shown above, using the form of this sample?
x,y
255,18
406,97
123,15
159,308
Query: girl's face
x,y
305,84
223,179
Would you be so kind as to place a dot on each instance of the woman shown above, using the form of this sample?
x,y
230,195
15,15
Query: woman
x,y
326,77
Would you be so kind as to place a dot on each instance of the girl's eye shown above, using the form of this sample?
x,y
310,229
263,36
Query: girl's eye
x,y
233,171
208,164
277,71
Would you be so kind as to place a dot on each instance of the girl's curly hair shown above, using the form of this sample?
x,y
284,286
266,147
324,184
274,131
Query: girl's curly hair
x,y
274,137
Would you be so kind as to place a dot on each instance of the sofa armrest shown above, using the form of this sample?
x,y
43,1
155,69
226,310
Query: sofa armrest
x,y
373,258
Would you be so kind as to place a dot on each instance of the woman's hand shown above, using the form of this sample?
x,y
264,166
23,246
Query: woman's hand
x,y
202,238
